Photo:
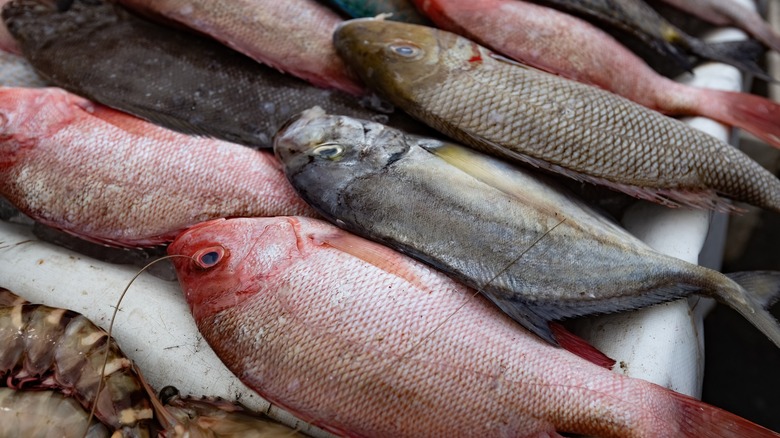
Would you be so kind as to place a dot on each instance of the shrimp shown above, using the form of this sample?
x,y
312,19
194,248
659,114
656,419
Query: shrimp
x,y
45,414
46,347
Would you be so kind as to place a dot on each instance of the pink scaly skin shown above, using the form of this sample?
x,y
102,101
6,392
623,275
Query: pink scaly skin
x,y
568,46
293,36
112,178
366,342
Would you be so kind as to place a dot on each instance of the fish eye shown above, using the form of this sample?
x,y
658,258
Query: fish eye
x,y
329,151
209,257
406,50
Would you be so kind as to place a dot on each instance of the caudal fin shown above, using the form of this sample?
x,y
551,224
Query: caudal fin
x,y
755,114
698,419
753,292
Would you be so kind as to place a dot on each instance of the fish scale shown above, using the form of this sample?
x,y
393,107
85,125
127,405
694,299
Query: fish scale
x,y
459,87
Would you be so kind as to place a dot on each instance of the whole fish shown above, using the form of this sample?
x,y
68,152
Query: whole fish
x,y
401,10
566,45
293,36
639,20
182,81
524,114
534,250
731,13
112,178
368,343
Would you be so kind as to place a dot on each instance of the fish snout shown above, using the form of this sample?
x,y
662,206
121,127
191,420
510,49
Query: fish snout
x,y
296,136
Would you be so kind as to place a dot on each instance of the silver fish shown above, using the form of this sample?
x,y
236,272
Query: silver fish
x,y
533,249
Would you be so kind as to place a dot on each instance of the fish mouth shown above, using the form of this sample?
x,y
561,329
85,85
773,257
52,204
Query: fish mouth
x,y
293,138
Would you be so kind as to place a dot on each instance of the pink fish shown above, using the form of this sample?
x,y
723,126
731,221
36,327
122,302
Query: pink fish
x,y
112,178
293,36
568,46
366,342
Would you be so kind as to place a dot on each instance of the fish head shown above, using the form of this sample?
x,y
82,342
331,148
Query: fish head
x,y
223,262
392,57
324,153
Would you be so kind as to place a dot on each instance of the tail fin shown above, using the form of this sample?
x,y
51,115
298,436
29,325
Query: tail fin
x,y
740,54
755,114
575,344
753,292
698,419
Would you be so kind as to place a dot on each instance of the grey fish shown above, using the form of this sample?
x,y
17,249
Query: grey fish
x,y
506,108
179,80
637,19
536,251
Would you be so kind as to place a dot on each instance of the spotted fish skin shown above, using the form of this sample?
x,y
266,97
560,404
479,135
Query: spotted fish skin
x,y
505,108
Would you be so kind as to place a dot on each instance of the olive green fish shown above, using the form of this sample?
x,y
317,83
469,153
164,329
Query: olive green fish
x,y
533,249
637,19
506,108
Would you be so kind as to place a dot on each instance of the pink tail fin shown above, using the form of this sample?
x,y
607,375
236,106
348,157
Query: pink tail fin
x,y
698,419
575,344
755,114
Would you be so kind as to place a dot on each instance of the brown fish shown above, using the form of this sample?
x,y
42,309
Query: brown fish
x,y
516,111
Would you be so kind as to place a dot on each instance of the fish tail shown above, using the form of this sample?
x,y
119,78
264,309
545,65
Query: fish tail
x,y
751,294
698,419
740,54
755,114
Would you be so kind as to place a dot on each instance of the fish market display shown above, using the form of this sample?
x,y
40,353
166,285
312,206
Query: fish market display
x,y
46,414
401,10
535,251
293,36
176,79
521,113
566,45
731,13
637,19
111,178
376,344
58,348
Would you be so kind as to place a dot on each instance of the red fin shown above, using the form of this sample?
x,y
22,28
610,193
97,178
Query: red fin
x,y
755,114
575,344
698,419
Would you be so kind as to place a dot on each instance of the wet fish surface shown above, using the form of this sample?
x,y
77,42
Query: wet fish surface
x,y
537,252
365,342
45,414
562,44
114,179
293,36
179,80
521,113
639,20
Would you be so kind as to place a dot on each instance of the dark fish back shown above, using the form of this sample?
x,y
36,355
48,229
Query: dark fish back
x,y
176,79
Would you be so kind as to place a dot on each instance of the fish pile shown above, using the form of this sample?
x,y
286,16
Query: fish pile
x,y
444,322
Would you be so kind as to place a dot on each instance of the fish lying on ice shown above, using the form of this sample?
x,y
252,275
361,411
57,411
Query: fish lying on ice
x,y
176,79
365,342
562,44
293,36
533,249
111,178
506,108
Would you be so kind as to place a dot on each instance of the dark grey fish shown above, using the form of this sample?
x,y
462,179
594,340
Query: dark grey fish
x,y
179,80
637,19
533,249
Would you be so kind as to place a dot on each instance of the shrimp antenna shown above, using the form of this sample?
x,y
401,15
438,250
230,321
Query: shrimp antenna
x,y
111,328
